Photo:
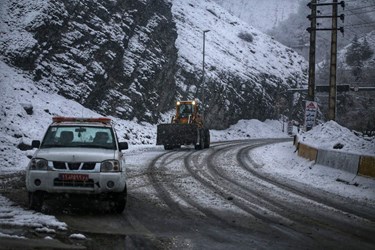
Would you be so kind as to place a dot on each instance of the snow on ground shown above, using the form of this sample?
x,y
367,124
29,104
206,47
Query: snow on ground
x,y
330,134
249,129
284,163
18,124
13,216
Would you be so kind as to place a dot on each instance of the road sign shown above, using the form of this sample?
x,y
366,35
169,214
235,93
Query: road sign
x,y
311,109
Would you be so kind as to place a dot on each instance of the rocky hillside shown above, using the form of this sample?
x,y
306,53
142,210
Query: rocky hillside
x,y
115,57
133,58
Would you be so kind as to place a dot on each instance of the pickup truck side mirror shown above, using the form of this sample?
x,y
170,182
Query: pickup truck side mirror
x,y
35,144
123,145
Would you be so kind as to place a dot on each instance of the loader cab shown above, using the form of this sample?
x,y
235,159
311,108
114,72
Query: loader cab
x,y
185,110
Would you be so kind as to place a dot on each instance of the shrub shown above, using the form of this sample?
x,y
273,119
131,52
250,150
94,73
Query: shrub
x,y
246,37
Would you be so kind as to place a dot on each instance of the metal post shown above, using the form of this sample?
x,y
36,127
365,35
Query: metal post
x,y
332,71
203,72
311,83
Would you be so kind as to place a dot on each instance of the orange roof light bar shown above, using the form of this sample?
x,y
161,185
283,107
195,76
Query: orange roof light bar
x,y
79,119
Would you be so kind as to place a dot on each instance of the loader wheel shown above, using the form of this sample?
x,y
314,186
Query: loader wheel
x,y
207,138
200,144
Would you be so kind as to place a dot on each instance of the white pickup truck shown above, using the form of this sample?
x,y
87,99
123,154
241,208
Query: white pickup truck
x,y
78,156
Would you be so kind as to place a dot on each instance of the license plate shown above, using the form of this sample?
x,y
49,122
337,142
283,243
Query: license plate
x,y
74,177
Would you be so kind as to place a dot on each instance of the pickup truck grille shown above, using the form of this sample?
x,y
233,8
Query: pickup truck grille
x,y
74,165
73,183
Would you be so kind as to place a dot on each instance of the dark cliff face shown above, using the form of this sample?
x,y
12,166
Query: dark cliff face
x,y
236,98
115,57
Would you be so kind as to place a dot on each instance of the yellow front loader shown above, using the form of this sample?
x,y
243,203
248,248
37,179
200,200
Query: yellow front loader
x,y
186,128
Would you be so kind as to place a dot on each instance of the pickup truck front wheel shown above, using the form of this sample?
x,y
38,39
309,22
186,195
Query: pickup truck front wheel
x,y
118,202
36,200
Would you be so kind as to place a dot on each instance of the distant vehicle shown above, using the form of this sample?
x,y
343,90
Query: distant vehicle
x,y
186,128
78,156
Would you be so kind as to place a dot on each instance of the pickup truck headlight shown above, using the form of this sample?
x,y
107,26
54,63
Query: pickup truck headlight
x,y
38,164
110,166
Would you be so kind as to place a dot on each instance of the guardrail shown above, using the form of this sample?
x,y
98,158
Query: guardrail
x,y
352,163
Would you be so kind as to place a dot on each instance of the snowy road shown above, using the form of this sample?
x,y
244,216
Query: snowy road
x,y
219,198
222,184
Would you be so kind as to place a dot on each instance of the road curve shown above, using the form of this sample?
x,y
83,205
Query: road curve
x,y
249,201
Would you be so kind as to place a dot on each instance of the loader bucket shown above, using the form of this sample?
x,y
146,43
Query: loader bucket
x,y
176,134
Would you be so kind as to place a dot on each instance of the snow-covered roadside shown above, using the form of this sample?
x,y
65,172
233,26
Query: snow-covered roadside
x,y
332,136
284,163
249,129
13,216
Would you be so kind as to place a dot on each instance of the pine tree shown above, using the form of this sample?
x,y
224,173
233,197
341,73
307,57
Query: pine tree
x,y
356,54
367,52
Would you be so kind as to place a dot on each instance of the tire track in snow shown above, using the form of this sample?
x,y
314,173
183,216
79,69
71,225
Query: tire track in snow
x,y
167,191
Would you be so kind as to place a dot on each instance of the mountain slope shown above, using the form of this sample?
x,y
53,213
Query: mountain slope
x,y
246,70
263,15
131,58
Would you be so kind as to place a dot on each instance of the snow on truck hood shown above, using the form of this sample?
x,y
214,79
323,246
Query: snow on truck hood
x,y
76,154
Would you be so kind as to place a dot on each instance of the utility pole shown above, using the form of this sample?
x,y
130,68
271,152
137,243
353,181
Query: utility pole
x,y
312,31
332,71
333,63
203,73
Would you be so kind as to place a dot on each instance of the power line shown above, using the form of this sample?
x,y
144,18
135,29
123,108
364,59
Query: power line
x,y
348,1
359,8
359,24
358,13
362,36
366,26
348,29
355,33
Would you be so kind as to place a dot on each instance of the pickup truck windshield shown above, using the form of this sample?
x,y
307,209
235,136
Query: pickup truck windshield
x,y
79,136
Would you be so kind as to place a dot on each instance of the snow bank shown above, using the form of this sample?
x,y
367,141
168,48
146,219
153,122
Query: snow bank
x,y
331,135
12,215
284,163
249,129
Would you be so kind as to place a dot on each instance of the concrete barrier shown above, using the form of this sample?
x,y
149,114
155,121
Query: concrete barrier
x,y
351,163
307,152
340,160
367,166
